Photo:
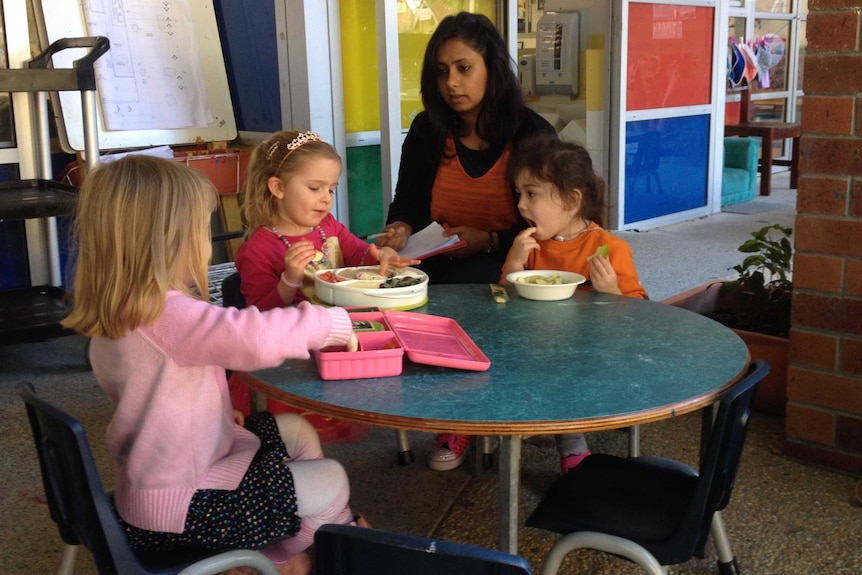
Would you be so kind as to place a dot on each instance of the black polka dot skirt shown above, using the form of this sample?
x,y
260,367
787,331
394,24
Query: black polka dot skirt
x,y
261,511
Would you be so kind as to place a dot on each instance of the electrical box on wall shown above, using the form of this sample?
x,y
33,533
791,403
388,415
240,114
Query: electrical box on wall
x,y
557,53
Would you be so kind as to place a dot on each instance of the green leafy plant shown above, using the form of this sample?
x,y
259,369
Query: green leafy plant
x,y
759,299
768,267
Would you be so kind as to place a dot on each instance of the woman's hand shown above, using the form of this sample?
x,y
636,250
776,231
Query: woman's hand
x,y
389,257
603,276
395,236
296,258
478,241
525,242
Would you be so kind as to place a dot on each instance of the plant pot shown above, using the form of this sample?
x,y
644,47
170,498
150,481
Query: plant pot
x,y
772,393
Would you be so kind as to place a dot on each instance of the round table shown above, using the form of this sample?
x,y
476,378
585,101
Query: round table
x,y
588,363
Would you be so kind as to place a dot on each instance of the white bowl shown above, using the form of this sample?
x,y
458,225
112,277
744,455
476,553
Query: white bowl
x,y
545,292
353,292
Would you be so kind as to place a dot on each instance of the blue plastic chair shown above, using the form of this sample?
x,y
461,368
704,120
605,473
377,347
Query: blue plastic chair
x,y
349,550
653,511
84,514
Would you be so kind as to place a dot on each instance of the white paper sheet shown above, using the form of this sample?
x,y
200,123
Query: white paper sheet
x,y
426,241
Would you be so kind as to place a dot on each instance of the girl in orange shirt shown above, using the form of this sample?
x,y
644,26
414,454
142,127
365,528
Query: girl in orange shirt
x,y
562,199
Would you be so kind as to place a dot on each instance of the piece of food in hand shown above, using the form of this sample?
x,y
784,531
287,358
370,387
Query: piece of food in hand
x,y
600,251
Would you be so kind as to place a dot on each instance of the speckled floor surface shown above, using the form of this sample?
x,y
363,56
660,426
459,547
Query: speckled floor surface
x,y
785,517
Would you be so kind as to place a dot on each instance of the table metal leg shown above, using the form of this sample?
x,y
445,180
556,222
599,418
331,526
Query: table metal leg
x,y
510,470
256,401
405,454
635,441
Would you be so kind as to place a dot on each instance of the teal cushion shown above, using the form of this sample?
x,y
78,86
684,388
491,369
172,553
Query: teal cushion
x,y
736,187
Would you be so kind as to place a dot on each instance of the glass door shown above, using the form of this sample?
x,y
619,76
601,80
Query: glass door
x,y
774,31
665,128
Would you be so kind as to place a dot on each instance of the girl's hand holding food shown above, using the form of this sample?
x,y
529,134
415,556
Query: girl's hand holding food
x,y
296,258
603,276
353,343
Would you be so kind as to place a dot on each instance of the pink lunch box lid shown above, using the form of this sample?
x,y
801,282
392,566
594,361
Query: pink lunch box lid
x,y
436,340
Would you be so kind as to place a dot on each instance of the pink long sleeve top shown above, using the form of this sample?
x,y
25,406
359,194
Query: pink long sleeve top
x,y
173,431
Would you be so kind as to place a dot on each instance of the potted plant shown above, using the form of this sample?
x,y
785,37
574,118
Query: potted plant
x,y
756,305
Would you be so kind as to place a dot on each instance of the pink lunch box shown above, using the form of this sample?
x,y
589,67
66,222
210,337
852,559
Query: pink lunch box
x,y
426,339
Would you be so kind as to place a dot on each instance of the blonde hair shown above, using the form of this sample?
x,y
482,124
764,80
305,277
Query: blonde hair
x,y
280,156
142,225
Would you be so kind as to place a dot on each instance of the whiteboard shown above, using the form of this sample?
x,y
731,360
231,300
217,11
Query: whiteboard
x,y
206,115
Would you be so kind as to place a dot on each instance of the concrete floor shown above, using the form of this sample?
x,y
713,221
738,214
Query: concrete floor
x,y
785,517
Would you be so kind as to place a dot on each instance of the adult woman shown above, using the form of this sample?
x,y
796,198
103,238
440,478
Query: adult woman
x,y
454,158
454,161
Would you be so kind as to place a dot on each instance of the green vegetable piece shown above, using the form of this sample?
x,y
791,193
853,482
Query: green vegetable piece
x,y
600,251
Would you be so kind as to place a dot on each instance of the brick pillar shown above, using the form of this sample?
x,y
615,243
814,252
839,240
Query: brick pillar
x,y
824,411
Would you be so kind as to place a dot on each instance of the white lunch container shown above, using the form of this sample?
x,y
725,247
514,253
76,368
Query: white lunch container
x,y
349,291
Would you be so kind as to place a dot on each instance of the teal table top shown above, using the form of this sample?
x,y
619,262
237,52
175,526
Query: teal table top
x,y
595,361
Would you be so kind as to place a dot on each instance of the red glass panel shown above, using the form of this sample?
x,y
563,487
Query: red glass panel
x,y
669,56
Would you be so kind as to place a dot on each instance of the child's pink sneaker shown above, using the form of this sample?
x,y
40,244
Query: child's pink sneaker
x,y
570,461
450,452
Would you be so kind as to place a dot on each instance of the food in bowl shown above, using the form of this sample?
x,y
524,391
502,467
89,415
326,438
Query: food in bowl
x,y
369,275
365,273
553,279
545,285
401,281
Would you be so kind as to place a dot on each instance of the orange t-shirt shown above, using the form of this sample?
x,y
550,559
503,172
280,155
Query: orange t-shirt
x,y
572,256
484,203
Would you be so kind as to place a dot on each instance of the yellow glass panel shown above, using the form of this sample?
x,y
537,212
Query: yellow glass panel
x,y
417,20
359,65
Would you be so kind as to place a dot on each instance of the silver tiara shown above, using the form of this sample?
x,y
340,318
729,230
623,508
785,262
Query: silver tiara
x,y
300,139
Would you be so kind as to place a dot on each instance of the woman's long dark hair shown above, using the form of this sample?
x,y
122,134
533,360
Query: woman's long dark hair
x,y
498,118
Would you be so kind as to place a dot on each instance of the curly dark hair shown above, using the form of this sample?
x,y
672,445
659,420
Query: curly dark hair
x,y
503,99
568,167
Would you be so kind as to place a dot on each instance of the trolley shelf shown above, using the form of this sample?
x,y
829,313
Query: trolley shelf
x,y
25,199
32,314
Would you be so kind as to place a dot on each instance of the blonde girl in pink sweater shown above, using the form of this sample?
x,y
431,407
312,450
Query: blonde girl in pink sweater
x,y
188,470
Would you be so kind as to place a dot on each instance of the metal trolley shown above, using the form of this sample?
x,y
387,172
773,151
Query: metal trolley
x,y
34,313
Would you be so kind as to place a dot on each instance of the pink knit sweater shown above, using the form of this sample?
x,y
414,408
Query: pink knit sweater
x,y
173,430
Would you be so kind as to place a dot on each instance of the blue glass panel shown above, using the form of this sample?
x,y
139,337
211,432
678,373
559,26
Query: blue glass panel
x,y
248,42
666,166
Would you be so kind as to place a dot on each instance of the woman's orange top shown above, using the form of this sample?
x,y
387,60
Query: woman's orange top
x,y
484,203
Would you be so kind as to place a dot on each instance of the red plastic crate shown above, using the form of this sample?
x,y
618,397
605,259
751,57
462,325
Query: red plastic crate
x,y
223,167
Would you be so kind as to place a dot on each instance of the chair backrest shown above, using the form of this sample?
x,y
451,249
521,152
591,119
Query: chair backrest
x,y
345,549
230,292
76,498
723,451
79,505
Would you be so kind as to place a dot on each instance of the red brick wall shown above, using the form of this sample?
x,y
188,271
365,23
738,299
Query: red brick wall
x,y
824,412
